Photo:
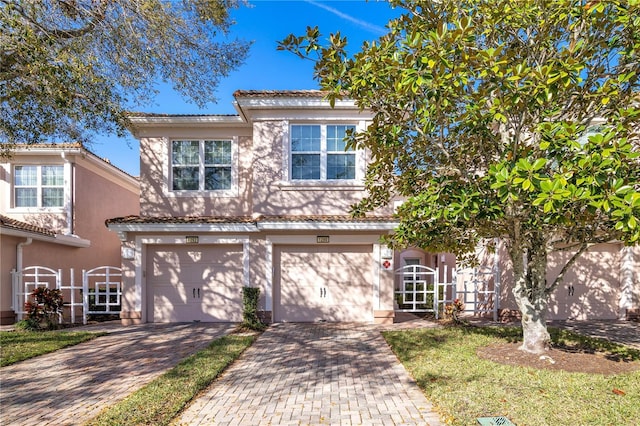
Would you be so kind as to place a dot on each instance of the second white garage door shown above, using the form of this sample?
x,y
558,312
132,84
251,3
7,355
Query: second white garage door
x,y
323,283
194,283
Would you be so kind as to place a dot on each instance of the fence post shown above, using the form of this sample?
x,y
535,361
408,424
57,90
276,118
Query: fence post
x,y
436,288
72,284
496,288
85,297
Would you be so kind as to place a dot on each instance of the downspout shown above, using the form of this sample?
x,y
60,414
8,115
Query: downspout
x,y
19,247
17,285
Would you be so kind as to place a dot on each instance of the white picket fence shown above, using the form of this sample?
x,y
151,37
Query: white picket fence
x,y
103,284
479,290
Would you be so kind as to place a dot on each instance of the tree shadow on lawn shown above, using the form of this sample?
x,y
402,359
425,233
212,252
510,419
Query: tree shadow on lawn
x,y
568,351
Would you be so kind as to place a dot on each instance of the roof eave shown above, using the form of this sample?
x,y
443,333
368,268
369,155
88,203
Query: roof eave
x,y
65,240
191,120
327,226
182,227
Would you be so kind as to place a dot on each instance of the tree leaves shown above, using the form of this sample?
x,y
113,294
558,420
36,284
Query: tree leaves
x,y
71,68
484,116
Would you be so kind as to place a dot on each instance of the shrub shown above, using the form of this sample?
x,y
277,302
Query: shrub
x,y
43,310
250,320
452,311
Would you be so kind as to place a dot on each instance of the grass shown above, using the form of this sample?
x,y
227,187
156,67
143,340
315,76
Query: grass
x,y
161,400
463,386
20,345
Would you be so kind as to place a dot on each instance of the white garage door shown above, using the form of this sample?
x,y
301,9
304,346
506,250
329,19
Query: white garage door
x,y
194,283
323,283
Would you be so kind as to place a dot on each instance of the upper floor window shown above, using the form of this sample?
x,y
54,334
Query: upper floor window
x,y
319,152
38,186
201,165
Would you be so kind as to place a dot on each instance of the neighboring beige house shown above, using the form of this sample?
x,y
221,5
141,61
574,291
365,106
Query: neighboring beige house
x,y
604,283
54,201
262,199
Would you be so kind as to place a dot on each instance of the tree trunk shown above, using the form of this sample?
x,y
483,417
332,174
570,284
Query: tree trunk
x,y
535,337
531,298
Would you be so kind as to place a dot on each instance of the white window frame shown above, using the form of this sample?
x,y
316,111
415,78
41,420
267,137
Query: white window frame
x,y
323,181
39,187
230,192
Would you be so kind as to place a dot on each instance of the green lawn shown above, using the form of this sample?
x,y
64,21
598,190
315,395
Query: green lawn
x,y
464,387
160,401
20,345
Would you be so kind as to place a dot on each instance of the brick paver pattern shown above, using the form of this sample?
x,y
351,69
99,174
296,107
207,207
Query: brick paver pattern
x,y
72,385
314,374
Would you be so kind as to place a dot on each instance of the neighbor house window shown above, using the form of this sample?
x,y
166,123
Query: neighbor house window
x,y
201,165
319,152
38,186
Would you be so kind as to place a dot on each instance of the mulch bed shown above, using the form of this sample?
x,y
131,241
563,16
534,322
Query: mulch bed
x,y
558,359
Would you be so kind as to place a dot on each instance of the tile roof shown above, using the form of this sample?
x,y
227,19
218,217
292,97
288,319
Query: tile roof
x,y
245,219
9,223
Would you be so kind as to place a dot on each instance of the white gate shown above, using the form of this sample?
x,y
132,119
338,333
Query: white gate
x,y
419,289
102,290
99,293
27,280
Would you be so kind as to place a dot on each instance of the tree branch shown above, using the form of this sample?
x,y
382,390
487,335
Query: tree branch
x,y
583,247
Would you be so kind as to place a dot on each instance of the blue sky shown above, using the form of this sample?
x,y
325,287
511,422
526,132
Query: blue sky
x,y
265,22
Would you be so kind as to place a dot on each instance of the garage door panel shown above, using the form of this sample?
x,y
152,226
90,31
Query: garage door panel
x,y
329,283
195,283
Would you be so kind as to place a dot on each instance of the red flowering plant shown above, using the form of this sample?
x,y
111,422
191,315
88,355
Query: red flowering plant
x,y
43,309
453,310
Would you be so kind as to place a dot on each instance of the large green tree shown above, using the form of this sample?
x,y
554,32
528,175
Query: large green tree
x,y
510,119
72,67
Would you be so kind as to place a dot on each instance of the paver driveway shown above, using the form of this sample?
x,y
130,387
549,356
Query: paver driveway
x,y
72,385
314,374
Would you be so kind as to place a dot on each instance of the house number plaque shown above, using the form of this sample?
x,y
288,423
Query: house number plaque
x,y
322,239
191,239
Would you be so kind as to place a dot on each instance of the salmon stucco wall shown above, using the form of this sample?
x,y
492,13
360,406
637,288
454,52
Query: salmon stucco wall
x,y
274,194
158,200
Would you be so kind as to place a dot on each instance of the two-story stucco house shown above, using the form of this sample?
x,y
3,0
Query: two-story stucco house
x,y
53,204
260,199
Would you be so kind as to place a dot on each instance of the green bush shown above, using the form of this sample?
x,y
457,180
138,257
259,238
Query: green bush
x,y
250,320
43,310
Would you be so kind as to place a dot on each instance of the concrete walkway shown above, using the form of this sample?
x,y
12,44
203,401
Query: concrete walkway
x,y
314,374
72,385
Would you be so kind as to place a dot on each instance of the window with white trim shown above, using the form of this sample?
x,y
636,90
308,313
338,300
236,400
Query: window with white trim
x,y
201,165
38,186
319,152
